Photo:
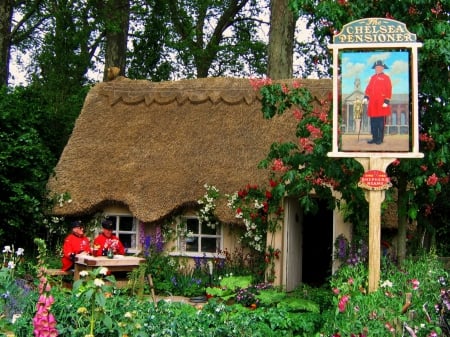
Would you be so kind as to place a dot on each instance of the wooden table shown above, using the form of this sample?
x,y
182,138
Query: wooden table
x,y
118,263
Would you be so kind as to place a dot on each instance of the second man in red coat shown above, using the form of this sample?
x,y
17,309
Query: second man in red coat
x,y
106,240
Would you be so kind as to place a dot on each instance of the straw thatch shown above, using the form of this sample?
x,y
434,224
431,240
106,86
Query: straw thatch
x,y
152,146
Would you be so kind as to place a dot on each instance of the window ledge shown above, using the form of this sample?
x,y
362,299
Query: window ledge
x,y
196,254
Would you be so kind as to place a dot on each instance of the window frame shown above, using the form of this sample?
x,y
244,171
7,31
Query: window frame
x,y
180,244
115,218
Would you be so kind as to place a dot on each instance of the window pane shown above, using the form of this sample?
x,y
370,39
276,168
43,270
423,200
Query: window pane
x,y
208,230
209,245
192,244
127,240
126,223
192,225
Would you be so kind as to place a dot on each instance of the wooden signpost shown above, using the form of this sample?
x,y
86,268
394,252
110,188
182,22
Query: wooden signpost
x,y
375,64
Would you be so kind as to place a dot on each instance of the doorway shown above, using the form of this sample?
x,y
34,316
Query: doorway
x,y
308,245
317,246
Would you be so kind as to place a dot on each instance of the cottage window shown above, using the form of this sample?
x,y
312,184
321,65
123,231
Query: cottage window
x,y
196,238
126,228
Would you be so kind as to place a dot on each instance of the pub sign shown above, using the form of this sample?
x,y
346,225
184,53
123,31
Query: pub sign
x,y
375,102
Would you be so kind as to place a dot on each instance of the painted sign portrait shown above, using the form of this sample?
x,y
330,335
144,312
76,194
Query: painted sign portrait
x,y
375,106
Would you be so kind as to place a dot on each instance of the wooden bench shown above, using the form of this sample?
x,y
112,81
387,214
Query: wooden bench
x,y
59,272
57,276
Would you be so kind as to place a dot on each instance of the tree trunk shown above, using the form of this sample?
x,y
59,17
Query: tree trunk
x,y
281,40
116,16
6,8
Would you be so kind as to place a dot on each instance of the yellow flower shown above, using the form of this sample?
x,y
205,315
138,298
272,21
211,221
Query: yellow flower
x,y
82,310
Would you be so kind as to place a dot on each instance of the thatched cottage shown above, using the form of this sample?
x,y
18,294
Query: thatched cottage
x,y
141,153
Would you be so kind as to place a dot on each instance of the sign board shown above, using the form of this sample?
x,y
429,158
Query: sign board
x,y
375,100
375,180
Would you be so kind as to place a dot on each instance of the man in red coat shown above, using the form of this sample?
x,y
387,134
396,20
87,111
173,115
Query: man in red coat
x,y
378,97
107,240
75,243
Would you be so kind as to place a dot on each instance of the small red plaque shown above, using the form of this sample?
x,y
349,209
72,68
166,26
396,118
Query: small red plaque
x,y
375,180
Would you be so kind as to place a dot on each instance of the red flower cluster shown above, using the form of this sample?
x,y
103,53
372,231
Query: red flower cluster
x,y
389,327
343,303
306,144
257,83
437,9
432,180
243,193
412,10
298,114
279,166
396,162
428,140
314,131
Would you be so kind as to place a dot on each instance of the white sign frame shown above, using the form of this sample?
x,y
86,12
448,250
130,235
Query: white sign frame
x,y
369,35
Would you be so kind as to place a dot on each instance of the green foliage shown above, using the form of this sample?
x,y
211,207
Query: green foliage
x,y
278,313
299,304
355,310
190,40
128,315
26,162
229,286
290,302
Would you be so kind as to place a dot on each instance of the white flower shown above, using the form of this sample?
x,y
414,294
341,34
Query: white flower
x,y
258,205
99,282
84,273
7,249
20,251
386,283
15,317
11,265
128,315
103,271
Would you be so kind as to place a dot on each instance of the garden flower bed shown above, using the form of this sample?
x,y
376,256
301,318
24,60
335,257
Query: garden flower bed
x,y
411,301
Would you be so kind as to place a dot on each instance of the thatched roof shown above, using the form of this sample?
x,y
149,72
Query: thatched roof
x,y
152,146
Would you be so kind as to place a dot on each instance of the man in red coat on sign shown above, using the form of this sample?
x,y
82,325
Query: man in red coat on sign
x,y
75,243
378,97
106,240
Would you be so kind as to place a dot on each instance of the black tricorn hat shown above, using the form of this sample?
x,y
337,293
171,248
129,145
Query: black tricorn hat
x,y
380,63
107,224
77,223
